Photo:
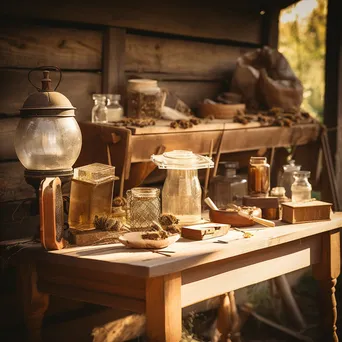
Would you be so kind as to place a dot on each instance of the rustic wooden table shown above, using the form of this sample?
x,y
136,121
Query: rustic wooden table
x,y
160,286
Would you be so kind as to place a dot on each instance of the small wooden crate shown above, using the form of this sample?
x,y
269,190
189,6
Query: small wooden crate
x,y
306,211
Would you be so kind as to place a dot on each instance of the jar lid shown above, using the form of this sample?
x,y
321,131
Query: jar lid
x,y
143,81
95,173
182,160
290,167
47,102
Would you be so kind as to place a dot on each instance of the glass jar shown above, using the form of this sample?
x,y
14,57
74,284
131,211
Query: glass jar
x,y
286,178
280,193
181,194
301,188
144,204
91,194
48,143
258,177
114,109
228,188
144,98
99,113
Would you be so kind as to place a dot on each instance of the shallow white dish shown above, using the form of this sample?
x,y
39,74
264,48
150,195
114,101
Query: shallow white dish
x,y
134,240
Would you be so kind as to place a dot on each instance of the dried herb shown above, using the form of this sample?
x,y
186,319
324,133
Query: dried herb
x,y
119,201
168,219
108,224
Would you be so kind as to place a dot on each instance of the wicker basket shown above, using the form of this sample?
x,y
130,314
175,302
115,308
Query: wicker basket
x,y
220,111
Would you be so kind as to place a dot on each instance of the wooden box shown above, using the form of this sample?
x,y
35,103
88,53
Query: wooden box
x,y
306,211
205,231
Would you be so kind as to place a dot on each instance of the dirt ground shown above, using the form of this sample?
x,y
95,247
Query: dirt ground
x,y
197,327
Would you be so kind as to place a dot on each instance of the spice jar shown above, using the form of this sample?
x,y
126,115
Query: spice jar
x,y
99,112
144,98
301,188
228,187
115,110
286,179
258,177
144,206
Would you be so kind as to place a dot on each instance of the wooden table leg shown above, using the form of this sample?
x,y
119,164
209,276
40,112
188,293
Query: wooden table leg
x,y
34,303
163,308
326,273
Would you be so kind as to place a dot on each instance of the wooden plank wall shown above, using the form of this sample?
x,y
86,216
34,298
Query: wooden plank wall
x,y
192,54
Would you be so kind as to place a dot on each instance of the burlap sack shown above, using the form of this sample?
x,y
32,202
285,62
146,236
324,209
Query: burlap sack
x,y
265,79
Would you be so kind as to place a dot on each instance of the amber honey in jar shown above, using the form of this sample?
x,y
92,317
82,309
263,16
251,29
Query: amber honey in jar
x,y
258,177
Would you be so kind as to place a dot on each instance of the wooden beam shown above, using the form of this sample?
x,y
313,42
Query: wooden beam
x,y
270,27
113,78
333,85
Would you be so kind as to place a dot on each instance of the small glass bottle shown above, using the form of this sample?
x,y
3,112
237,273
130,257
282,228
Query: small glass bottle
x,y
258,177
115,110
99,112
228,188
279,192
301,188
144,208
286,178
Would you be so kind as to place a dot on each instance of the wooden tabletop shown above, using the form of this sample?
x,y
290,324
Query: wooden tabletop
x,y
116,258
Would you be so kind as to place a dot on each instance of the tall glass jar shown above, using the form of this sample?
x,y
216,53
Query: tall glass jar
x,y
229,187
144,206
286,178
258,177
301,188
99,112
115,110
181,194
144,98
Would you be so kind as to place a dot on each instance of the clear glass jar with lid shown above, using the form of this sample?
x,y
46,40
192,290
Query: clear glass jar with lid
x,y
301,188
181,194
144,98
99,112
228,187
286,178
115,111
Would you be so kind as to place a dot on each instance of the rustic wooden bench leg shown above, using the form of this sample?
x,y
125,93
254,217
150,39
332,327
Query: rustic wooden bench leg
x,y
163,308
326,273
34,303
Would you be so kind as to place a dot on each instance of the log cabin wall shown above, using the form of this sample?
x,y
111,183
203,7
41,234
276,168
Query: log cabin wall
x,y
191,51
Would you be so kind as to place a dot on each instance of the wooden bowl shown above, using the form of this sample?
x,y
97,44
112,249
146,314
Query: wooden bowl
x,y
219,110
232,217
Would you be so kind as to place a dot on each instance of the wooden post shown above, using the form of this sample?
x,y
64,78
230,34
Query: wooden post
x,y
33,302
113,69
163,308
270,27
326,273
333,87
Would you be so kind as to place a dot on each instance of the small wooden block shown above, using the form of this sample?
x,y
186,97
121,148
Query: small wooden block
x,y
205,231
260,202
294,212
91,237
